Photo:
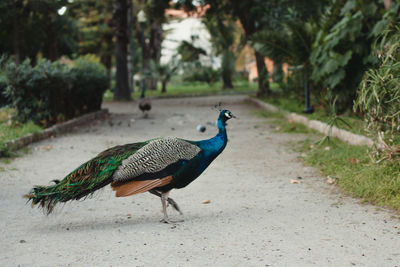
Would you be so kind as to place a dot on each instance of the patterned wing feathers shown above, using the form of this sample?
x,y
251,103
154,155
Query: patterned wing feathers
x,y
155,157
136,187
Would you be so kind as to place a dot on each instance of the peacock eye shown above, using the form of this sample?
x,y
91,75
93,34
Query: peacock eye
x,y
228,115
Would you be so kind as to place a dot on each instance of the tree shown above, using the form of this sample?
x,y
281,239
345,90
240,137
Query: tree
x,y
162,72
341,51
30,27
222,32
96,34
249,15
153,32
120,17
189,52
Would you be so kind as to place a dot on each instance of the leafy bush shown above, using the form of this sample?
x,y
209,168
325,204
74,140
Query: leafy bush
x,y
88,83
3,100
379,96
201,74
342,47
52,92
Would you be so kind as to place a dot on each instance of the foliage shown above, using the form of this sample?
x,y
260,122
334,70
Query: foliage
x,y
88,83
328,114
177,88
52,92
30,27
342,47
94,19
222,30
162,72
378,184
10,130
3,100
199,73
293,45
189,53
379,94
32,90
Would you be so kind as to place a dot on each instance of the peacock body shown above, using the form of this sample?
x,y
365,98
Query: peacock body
x,y
156,166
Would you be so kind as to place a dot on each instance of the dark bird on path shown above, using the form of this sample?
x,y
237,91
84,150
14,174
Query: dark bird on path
x,y
144,105
201,128
154,166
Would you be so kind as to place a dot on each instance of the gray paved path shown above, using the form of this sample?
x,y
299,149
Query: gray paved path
x,y
255,216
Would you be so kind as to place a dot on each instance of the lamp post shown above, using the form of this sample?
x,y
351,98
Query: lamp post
x,y
142,20
308,109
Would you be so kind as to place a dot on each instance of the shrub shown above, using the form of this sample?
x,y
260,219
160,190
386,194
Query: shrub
x,y
3,100
88,83
379,96
52,92
31,90
202,74
342,47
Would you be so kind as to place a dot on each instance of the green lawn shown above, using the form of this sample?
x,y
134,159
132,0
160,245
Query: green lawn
x,y
351,123
352,168
357,175
10,132
191,89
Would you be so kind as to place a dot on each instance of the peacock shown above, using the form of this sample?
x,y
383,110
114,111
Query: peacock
x,y
156,166
144,103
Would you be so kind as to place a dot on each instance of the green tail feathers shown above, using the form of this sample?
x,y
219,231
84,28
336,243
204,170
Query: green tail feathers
x,y
84,180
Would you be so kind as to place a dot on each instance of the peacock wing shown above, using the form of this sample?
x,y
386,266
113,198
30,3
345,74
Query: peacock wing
x,y
152,166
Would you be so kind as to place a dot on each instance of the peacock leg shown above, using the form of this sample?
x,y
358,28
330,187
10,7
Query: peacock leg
x,y
164,197
170,200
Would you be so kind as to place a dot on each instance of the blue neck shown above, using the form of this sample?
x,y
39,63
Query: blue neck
x,y
215,145
221,126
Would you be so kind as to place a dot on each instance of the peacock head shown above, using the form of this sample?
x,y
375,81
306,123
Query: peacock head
x,y
225,115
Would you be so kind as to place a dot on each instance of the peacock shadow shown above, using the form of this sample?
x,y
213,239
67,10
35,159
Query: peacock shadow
x,y
68,224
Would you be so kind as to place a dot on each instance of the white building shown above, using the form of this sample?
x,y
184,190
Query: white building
x,y
187,28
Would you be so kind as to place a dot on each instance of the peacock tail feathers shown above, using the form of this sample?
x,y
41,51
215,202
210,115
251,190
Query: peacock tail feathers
x,y
84,180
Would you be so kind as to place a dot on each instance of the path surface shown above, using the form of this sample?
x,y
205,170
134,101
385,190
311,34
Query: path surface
x,y
255,217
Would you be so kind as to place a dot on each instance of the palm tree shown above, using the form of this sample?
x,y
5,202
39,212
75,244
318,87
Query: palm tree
x,y
162,72
222,32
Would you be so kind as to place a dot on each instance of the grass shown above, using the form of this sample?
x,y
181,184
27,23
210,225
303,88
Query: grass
x,y
181,89
282,124
351,123
356,174
14,131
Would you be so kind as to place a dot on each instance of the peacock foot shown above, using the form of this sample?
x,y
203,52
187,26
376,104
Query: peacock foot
x,y
174,205
169,221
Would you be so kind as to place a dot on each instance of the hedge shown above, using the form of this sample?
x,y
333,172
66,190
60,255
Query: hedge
x,y
53,92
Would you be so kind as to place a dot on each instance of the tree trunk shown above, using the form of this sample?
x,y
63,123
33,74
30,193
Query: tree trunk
x,y
227,69
107,62
227,80
52,41
263,83
249,27
156,37
130,48
151,49
122,90
278,74
16,39
164,86
106,59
